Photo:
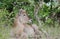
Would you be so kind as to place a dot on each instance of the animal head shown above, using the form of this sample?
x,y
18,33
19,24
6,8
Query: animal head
x,y
23,17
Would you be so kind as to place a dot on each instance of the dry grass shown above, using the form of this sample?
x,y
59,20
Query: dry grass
x,y
53,32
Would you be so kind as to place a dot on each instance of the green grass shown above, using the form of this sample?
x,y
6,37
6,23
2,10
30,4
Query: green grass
x,y
53,32
4,32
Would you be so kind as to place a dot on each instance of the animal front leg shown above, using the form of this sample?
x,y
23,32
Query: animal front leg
x,y
23,36
38,33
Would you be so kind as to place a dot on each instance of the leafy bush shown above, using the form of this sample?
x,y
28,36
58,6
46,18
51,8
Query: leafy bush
x,y
11,7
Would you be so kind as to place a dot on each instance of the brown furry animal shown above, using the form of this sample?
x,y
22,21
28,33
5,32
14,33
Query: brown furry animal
x,y
21,28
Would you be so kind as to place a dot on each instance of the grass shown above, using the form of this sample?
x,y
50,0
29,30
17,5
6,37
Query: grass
x,y
53,32
4,32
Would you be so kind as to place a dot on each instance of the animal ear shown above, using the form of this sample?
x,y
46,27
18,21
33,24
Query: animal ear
x,y
20,11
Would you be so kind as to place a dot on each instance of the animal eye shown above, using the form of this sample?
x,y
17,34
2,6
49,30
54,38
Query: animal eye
x,y
24,14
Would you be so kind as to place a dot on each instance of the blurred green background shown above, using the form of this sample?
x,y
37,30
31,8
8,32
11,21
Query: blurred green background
x,y
49,15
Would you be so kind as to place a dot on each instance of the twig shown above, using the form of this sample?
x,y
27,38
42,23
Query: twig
x,y
36,10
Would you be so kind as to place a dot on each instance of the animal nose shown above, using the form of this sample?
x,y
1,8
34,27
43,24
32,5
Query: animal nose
x,y
30,20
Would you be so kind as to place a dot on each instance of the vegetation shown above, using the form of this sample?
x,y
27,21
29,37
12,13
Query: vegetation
x,y
48,13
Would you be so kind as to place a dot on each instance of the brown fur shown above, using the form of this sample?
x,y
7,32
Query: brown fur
x,y
21,29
